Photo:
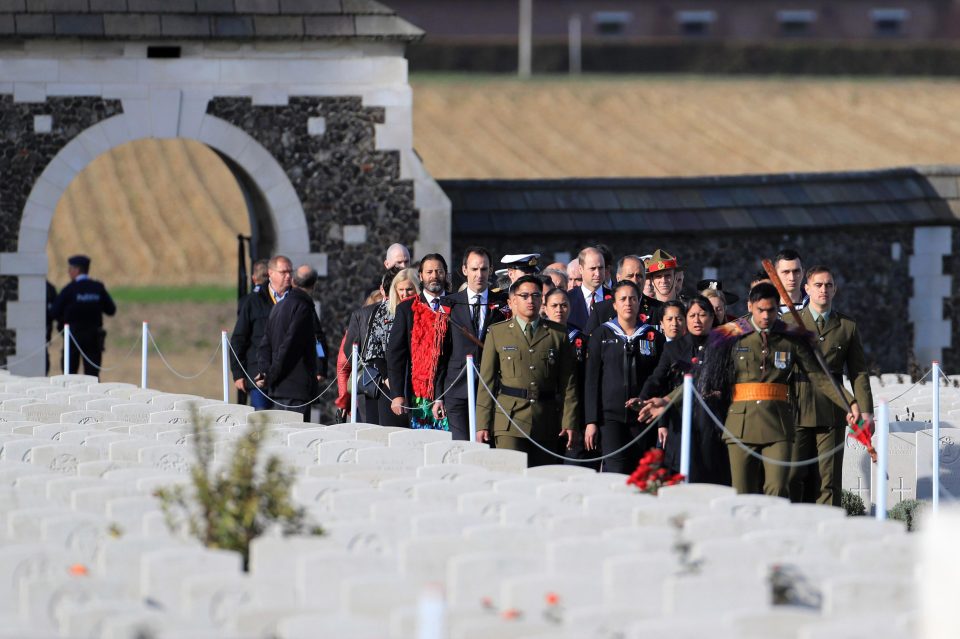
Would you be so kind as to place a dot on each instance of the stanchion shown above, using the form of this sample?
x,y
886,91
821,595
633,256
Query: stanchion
x,y
225,348
883,433
354,356
66,349
471,398
935,477
686,427
144,350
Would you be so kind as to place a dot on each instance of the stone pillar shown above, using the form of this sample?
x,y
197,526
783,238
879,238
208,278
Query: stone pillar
x,y
931,332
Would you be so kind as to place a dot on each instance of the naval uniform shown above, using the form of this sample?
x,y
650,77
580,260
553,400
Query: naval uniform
x,y
532,370
617,367
821,425
82,304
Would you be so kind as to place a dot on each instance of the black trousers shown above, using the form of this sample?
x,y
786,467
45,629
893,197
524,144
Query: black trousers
x,y
614,435
376,410
285,403
92,348
458,416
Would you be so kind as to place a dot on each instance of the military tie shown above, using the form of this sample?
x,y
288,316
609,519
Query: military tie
x,y
764,339
476,315
528,331
436,304
820,324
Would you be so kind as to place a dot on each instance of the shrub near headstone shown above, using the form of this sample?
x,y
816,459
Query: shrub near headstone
x,y
230,508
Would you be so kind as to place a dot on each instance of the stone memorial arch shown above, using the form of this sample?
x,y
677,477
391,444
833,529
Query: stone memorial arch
x,y
306,101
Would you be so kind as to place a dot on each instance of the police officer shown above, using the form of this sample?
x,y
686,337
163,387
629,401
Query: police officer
x,y
82,304
529,365
763,355
820,424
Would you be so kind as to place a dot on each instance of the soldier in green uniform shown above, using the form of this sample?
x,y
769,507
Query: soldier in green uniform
x,y
530,366
750,364
820,424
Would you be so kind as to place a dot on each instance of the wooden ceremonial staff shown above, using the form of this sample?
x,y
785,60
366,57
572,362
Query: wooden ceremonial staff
x,y
775,280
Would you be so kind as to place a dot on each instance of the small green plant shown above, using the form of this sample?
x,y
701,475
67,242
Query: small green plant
x,y
853,504
228,509
909,511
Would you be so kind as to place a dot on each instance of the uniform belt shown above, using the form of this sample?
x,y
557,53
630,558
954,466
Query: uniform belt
x,y
759,391
533,394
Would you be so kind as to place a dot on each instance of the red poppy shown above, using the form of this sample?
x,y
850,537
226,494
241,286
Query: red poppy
x,y
694,361
512,613
643,317
651,336
553,599
578,342
608,297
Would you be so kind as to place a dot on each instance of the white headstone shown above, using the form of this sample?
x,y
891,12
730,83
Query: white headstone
x,y
63,458
230,414
407,438
500,460
169,417
47,413
311,437
133,413
448,452
275,417
342,451
162,571
85,417
172,458
901,468
390,459
949,459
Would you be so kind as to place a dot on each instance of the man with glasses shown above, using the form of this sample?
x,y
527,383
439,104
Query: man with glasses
x,y
529,365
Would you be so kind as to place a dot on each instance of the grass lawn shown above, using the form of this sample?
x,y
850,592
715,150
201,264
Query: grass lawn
x,y
200,293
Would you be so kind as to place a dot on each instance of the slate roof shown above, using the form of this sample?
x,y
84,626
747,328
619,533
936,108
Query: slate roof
x,y
203,19
913,196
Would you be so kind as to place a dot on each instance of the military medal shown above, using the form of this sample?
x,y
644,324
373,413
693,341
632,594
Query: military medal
x,y
781,359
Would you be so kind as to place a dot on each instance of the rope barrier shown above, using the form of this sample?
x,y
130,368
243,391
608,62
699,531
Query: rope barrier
x,y
254,384
558,455
98,366
33,353
175,371
917,383
764,458
439,397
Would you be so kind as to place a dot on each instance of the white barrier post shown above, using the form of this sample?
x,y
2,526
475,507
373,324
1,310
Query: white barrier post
x,y
686,427
144,351
354,357
883,433
66,349
935,477
225,347
471,398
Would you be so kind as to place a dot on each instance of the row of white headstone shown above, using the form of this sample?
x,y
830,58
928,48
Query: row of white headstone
x,y
423,535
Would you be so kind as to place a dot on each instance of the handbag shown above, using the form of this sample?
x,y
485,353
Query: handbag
x,y
369,379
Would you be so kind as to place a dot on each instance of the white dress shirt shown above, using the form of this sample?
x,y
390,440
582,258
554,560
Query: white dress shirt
x,y
597,295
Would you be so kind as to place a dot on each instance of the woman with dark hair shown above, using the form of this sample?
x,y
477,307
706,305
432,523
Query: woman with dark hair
x,y
556,308
621,354
671,319
709,462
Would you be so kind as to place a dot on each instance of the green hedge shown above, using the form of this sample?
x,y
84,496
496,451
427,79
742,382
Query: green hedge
x,y
789,58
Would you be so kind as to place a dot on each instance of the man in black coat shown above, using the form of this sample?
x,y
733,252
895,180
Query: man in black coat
x,y
472,311
592,291
288,351
433,277
82,304
248,331
630,267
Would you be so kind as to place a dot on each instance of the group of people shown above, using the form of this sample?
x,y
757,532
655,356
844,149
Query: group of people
x,y
582,363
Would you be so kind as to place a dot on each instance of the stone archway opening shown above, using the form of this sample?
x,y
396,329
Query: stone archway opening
x,y
159,212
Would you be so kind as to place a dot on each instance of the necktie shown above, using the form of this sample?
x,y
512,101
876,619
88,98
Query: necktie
x,y
590,302
528,331
436,304
764,339
476,315
820,324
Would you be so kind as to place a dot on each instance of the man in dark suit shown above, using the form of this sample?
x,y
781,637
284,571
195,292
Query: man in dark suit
x,y
287,354
472,311
433,277
82,304
630,267
592,291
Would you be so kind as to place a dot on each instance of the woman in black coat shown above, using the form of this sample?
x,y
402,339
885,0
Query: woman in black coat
x,y
621,354
709,461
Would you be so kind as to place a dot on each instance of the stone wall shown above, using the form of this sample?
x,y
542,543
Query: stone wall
x,y
874,288
354,200
31,134
951,305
